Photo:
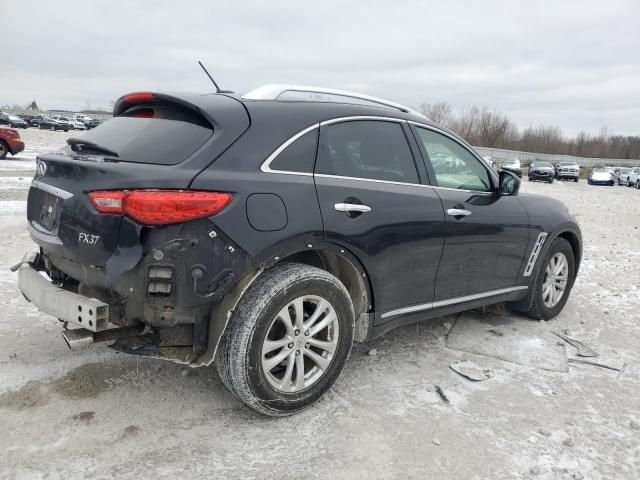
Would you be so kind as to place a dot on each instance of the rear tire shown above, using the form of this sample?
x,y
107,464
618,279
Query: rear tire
x,y
276,310
4,149
547,304
638,184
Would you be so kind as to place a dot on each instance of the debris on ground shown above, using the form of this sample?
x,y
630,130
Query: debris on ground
x,y
634,425
544,432
535,470
84,416
13,355
595,364
435,441
373,352
441,394
583,349
495,331
471,371
568,442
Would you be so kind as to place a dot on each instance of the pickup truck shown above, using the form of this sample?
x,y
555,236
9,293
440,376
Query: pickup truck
x,y
568,170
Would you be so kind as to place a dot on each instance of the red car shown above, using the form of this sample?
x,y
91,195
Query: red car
x,y
10,142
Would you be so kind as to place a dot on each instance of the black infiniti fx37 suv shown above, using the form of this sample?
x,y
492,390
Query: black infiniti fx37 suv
x,y
266,232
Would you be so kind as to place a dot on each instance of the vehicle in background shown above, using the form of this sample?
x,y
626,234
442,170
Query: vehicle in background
x,y
12,121
513,166
264,235
633,177
601,177
87,120
46,123
567,170
65,121
10,142
489,160
541,171
29,118
620,174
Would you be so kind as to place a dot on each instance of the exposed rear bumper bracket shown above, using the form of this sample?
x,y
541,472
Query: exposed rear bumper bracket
x,y
89,313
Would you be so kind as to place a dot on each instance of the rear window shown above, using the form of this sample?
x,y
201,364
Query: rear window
x,y
153,134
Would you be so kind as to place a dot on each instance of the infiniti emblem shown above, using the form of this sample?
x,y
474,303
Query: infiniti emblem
x,y
42,168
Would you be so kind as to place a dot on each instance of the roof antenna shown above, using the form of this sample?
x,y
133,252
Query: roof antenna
x,y
218,90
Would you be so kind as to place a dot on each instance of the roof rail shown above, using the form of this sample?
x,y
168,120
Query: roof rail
x,y
274,91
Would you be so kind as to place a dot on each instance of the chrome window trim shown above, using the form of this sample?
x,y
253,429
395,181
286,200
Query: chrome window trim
x,y
535,252
374,180
266,165
473,153
274,91
58,192
451,301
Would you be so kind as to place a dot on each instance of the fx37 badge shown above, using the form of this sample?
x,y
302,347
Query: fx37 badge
x,y
88,238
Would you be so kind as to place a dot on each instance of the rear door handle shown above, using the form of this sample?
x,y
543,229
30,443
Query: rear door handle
x,y
352,208
458,212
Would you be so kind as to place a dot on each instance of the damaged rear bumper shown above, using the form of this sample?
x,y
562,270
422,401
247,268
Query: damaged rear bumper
x,y
88,313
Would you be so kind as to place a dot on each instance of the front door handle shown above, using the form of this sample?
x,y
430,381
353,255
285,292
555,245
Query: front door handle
x,y
352,208
458,212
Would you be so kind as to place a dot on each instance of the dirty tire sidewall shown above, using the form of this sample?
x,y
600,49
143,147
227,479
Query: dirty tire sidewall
x,y
4,149
538,309
241,350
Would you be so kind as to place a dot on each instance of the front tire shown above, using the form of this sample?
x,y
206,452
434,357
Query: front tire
x,y
287,340
4,149
553,282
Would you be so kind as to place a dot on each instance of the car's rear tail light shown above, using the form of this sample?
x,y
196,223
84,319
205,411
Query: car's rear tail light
x,y
160,207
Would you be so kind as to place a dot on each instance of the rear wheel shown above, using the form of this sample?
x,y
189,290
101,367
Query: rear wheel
x,y
628,182
575,179
553,281
638,184
288,339
551,180
4,149
53,129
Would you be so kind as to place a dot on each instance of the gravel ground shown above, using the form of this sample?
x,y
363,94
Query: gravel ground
x,y
97,414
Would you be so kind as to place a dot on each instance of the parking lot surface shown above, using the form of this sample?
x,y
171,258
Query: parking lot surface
x,y
398,411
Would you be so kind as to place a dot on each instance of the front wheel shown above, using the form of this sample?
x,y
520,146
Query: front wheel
x,y
638,184
551,180
553,281
4,149
288,339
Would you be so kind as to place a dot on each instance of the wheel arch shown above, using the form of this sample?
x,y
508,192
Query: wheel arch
x,y
329,257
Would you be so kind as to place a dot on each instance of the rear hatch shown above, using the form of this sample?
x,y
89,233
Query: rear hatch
x,y
153,142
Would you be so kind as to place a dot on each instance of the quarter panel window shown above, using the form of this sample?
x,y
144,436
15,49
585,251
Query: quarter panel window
x,y
299,156
368,149
454,165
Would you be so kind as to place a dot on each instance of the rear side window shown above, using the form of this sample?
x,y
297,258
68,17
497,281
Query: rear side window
x,y
375,150
153,134
299,155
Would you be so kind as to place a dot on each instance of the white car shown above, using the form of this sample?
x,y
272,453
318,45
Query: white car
x,y
75,125
633,178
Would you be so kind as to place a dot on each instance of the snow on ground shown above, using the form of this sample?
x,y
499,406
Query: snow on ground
x,y
98,414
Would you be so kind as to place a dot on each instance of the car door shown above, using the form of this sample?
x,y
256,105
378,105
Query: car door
x,y
486,234
375,203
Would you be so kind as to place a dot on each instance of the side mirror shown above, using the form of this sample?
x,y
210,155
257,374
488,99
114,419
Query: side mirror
x,y
509,184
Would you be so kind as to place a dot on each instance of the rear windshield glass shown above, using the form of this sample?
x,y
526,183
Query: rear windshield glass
x,y
156,134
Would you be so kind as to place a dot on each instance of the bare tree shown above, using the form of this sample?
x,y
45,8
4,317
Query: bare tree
x,y
438,112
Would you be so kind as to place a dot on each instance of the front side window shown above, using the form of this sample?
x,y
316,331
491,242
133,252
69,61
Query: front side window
x,y
369,149
454,166
299,155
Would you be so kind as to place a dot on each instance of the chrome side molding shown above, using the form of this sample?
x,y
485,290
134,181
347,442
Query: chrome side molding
x,y
451,301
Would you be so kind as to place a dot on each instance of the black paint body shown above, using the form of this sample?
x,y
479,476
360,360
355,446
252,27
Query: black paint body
x,y
408,250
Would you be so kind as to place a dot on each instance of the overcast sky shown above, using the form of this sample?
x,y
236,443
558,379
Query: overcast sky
x,y
575,64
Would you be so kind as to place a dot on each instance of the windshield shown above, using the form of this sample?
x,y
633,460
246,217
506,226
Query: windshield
x,y
542,164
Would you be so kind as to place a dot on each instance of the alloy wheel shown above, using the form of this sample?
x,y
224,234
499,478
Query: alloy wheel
x,y
300,343
555,280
